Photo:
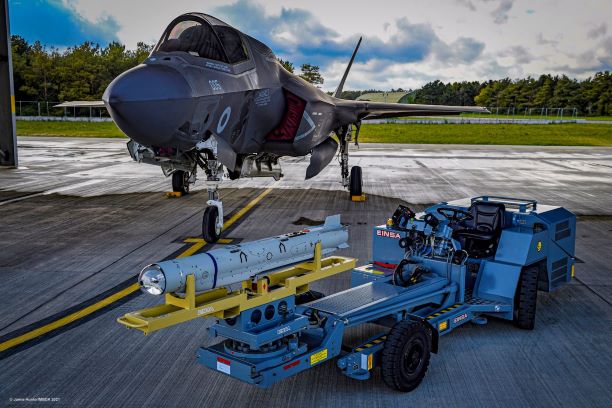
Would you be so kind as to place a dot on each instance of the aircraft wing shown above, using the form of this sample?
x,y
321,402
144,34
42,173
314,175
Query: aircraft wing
x,y
379,110
81,104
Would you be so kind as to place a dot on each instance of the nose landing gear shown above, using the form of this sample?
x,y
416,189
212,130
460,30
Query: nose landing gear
x,y
212,222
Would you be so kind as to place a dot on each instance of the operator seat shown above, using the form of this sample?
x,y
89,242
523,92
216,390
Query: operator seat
x,y
480,235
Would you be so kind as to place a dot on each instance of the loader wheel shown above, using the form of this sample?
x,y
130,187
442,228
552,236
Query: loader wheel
x,y
356,181
526,298
405,356
180,181
210,232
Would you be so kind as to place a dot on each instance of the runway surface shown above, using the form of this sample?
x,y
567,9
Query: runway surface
x,y
80,219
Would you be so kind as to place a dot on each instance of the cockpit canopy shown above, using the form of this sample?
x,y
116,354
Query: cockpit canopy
x,y
197,36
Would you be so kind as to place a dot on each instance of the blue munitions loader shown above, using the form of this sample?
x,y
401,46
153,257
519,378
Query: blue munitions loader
x,y
431,272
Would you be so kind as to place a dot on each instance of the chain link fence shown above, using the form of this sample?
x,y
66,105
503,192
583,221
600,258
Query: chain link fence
x,y
46,110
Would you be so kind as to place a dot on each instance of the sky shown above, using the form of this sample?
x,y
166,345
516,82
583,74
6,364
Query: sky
x,y
406,43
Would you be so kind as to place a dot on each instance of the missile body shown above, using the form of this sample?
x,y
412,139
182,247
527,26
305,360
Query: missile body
x,y
235,263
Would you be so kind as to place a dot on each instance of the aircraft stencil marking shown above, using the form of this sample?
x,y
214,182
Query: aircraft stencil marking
x,y
215,85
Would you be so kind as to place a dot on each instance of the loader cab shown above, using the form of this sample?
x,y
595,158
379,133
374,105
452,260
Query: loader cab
x,y
479,234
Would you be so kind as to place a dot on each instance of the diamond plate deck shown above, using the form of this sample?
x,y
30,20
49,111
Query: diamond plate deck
x,y
349,301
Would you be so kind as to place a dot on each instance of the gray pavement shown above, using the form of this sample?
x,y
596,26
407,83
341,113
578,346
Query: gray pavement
x,y
79,218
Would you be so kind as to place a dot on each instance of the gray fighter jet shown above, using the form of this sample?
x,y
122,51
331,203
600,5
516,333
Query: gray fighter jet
x,y
211,97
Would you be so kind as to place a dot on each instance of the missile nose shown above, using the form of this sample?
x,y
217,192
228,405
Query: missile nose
x,y
152,280
150,103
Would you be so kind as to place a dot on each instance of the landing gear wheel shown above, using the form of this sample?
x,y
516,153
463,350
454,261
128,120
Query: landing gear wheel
x,y
210,231
405,356
356,181
526,298
180,181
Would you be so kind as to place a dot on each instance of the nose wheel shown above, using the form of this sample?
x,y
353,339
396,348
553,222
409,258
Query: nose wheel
x,y
212,222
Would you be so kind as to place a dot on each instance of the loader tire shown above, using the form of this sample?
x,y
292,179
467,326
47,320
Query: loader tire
x,y
526,298
405,355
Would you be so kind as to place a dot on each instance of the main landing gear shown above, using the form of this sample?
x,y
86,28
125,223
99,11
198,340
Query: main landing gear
x,y
181,181
354,182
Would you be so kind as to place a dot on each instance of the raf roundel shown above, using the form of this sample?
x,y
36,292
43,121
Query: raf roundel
x,y
224,119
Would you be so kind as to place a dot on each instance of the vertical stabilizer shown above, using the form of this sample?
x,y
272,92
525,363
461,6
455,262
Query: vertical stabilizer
x,y
348,68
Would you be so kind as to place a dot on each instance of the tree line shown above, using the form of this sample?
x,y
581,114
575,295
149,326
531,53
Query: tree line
x,y
592,96
84,71
81,72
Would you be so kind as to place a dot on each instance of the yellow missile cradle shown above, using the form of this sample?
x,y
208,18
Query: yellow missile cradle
x,y
223,303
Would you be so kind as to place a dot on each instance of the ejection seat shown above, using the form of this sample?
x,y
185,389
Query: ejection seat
x,y
480,234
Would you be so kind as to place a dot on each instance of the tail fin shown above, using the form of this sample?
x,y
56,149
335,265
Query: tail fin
x,y
332,221
348,68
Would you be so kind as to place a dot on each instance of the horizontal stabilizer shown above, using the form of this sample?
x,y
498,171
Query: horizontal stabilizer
x,y
81,104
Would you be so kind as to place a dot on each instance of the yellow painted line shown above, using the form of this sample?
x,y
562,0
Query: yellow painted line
x,y
68,319
13,104
246,208
122,293
221,240
84,312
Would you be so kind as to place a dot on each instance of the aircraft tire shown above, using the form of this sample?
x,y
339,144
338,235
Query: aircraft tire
x,y
356,181
210,233
180,182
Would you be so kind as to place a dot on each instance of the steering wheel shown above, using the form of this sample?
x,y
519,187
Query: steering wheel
x,y
454,214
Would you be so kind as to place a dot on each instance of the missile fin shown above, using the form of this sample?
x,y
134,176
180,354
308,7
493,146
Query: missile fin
x,y
332,221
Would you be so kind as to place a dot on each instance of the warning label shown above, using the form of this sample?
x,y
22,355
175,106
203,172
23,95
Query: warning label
x,y
318,357
224,365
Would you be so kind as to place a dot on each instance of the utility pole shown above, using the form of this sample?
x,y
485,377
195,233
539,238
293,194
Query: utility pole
x,y
8,137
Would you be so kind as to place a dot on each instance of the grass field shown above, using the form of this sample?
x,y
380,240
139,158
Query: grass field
x,y
76,129
547,135
519,115
542,135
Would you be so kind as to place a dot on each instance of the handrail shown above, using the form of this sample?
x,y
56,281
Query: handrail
x,y
521,203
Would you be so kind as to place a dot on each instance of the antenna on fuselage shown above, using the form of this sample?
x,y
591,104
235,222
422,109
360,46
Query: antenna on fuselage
x,y
341,85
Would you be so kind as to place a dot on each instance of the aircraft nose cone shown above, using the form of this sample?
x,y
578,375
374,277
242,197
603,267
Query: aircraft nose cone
x,y
150,103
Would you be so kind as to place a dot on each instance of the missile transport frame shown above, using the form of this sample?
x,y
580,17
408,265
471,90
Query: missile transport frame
x,y
431,273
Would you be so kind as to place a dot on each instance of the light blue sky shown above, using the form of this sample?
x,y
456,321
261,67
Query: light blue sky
x,y
406,42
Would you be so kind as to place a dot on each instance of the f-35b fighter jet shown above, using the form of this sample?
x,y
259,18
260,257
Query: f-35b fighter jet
x,y
211,97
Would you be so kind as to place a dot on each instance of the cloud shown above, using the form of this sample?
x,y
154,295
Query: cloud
x,y
298,35
467,3
500,14
463,50
520,54
597,31
598,58
541,40
57,24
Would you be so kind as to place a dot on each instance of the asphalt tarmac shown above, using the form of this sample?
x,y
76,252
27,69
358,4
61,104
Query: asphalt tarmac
x,y
80,220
